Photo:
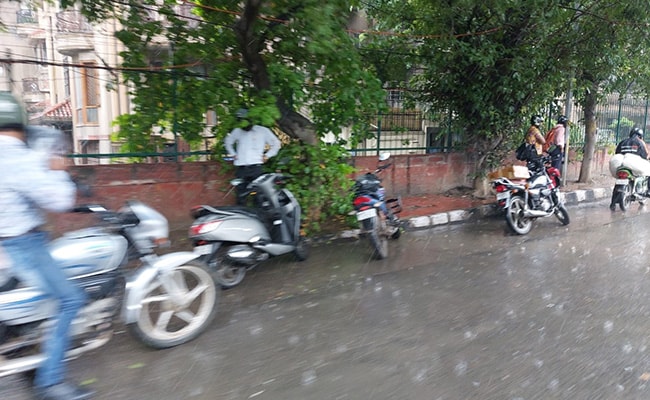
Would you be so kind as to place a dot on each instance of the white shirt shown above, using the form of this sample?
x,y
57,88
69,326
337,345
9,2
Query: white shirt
x,y
251,145
28,186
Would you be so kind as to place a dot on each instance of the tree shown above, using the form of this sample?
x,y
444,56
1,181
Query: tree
x,y
293,63
495,63
292,58
607,43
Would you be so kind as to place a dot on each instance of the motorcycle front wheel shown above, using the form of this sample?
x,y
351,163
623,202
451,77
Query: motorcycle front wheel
x,y
562,214
515,216
378,241
170,319
625,197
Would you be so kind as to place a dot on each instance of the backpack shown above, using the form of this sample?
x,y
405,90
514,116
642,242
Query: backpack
x,y
525,152
550,140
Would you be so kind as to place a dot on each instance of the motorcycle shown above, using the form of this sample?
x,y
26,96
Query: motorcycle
x,y
369,196
631,184
536,197
165,301
234,239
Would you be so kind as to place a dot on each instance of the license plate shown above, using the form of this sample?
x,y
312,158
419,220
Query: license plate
x,y
365,214
622,181
503,195
203,250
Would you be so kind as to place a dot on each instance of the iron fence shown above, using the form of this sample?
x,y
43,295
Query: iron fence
x,y
408,132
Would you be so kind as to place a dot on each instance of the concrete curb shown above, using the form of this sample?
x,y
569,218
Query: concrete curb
x,y
473,214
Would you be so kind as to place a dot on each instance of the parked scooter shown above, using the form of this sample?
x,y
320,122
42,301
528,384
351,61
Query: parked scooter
x,y
537,197
631,184
235,239
165,301
369,196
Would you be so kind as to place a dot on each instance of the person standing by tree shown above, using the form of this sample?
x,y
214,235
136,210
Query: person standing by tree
x,y
29,184
250,146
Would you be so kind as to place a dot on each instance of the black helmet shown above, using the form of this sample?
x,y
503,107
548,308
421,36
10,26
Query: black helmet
x,y
241,113
562,119
637,132
536,120
12,115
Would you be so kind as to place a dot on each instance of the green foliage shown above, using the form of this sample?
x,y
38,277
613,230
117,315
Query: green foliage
x,y
483,60
321,180
622,123
299,56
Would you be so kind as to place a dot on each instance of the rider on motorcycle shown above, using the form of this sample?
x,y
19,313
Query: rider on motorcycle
x,y
634,144
30,183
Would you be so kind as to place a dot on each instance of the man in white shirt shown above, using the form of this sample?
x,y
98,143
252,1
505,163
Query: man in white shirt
x,y
250,147
33,182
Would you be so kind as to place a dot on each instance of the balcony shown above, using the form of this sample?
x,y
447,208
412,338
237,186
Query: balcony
x,y
74,33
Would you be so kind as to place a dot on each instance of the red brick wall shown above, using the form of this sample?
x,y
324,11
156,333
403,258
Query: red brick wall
x,y
173,189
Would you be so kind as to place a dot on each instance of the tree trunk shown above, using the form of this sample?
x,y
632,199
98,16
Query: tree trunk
x,y
291,122
589,149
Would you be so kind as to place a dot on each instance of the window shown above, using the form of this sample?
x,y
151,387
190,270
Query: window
x,y
88,95
395,98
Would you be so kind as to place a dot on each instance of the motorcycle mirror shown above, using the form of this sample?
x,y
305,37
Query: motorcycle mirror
x,y
236,182
384,156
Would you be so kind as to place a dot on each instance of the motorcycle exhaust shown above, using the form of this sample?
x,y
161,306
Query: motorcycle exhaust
x,y
535,213
246,255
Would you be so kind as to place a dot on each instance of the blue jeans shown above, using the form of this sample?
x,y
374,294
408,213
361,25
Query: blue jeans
x,y
34,266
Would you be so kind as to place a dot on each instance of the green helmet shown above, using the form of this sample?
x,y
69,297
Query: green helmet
x,y
11,112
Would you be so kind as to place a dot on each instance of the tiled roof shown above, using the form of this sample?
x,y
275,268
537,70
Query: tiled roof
x,y
59,112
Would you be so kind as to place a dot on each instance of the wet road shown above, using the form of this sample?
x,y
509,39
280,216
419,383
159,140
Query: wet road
x,y
455,312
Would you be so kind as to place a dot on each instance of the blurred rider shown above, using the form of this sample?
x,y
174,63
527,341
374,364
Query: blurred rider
x,y
29,184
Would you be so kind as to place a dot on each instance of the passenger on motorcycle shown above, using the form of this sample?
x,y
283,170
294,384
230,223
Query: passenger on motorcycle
x,y
36,183
555,146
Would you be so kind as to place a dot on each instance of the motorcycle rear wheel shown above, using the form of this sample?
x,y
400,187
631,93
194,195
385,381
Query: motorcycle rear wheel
x,y
379,242
515,216
625,198
301,252
163,323
226,272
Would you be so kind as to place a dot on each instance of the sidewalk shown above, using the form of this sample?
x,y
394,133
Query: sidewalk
x,y
458,206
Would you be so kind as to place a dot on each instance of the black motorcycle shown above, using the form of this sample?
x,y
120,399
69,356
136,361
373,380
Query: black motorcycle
x,y
376,215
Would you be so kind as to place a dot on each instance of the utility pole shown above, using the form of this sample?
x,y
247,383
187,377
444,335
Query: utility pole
x,y
568,109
